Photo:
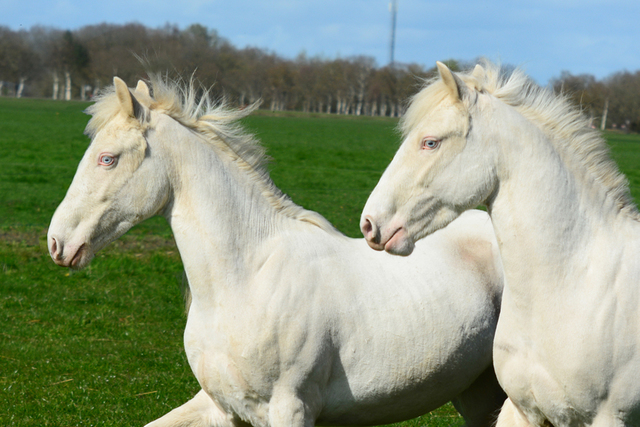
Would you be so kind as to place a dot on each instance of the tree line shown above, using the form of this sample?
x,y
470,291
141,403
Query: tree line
x,y
52,63
611,103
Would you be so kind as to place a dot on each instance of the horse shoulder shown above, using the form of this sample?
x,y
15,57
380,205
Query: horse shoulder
x,y
289,297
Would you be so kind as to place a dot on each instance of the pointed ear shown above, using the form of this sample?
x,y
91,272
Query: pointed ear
x,y
128,102
143,88
457,88
449,80
124,96
479,76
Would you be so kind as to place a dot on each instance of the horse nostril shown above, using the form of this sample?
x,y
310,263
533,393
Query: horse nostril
x,y
54,247
369,230
366,227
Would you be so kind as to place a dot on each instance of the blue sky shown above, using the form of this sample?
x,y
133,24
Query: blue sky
x,y
544,37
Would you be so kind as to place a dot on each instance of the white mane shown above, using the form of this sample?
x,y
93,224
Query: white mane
x,y
563,123
193,107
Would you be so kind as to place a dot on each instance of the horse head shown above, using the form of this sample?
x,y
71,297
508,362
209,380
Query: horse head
x,y
426,186
116,185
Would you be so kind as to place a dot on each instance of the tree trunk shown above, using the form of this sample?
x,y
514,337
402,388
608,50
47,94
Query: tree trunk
x,y
56,85
401,109
383,108
20,87
603,124
67,86
360,98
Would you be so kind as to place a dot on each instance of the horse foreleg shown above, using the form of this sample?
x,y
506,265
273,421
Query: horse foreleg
x,y
480,404
510,416
201,411
287,410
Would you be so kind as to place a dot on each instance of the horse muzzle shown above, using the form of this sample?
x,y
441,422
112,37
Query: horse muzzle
x,y
71,256
394,240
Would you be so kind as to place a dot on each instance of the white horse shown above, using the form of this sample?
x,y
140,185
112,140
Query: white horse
x,y
291,323
567,347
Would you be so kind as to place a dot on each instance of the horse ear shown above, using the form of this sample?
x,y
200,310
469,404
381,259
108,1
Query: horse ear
x,y
449,80
479,75
124,96
143,88
128,102
457,88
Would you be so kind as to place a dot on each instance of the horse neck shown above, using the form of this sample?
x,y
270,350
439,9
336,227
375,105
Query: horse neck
x,y
546,212
219,216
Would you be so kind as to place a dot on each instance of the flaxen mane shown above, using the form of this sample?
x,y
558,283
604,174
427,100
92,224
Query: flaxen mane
x,y
194,108
581,147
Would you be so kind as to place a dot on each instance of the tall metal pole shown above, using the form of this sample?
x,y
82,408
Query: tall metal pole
x,y
393,8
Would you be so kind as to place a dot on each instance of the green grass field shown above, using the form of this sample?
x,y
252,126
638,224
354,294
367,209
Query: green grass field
x,y
103,346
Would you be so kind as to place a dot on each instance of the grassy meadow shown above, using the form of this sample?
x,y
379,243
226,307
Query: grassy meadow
x,y
103,346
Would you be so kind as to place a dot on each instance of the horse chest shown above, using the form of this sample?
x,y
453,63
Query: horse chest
x,y
225,363
586,367
550,381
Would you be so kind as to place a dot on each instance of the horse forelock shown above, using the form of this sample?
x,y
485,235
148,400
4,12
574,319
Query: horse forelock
x,y
427,99
562,122
105,108
193,107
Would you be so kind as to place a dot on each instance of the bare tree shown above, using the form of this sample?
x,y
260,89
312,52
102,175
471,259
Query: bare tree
x,y
624,103
65,64
587,93
18,61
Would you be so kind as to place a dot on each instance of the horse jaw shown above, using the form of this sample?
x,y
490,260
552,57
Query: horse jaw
x,y
397,232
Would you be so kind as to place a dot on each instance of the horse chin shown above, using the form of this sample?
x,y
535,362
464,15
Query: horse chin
x,y
82,260
400,243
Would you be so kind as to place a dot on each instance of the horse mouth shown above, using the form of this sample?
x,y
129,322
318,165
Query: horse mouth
x,y
399,243
76,261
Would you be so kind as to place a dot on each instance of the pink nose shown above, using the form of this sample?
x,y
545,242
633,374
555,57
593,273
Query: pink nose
x,y
54,250
371,233
368,229
71,259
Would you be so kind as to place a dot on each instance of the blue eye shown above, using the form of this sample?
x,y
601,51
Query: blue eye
x,y
107,160
430,143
